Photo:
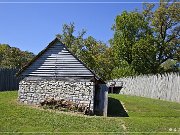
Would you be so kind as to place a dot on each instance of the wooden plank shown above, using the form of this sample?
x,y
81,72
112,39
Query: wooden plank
x,y
55,52
49,72
59,62
67,75
59,70
57,58
55,68
59,65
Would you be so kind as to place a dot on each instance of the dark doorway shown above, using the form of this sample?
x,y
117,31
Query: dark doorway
x,y
115,90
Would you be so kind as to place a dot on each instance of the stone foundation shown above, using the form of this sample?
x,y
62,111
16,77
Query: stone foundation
x,y
36,91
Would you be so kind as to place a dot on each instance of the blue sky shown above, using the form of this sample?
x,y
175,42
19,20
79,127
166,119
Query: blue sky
x,y
31,26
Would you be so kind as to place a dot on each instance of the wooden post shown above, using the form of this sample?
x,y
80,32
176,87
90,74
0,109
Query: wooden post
x,y
105,101
111,89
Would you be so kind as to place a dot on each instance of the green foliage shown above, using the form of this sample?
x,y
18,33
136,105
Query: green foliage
x,y
170,65
164,22
122,70
74,43
146,40
12,57
98,57
106,64
144,56
129,28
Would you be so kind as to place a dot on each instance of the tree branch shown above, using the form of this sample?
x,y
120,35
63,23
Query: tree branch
x,y
169,40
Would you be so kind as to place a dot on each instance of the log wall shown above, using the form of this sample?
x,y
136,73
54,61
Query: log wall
x,y
165,87
8,80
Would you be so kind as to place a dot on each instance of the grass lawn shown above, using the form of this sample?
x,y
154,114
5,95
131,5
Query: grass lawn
x,y
150,115
145,115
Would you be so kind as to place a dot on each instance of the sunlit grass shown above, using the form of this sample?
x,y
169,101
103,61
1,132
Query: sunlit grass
x,y
145,115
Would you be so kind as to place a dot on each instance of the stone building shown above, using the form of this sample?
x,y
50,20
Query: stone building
x,y
57,73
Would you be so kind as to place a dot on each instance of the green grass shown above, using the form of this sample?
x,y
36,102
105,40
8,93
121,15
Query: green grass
x,y
150,115
145,115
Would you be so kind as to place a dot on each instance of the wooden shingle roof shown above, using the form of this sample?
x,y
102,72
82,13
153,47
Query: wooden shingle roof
x,y
56,60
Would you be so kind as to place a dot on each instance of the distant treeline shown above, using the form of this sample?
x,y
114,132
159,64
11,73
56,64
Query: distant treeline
x,y
11,60
12,57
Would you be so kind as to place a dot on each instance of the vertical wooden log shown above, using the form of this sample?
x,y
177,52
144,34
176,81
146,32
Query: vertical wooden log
x,y
112,89
158,86
105,100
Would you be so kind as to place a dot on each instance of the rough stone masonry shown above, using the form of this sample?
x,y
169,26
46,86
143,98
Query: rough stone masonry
x,y
36,91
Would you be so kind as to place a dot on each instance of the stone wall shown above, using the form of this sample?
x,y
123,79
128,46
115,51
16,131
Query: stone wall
x,y
36,91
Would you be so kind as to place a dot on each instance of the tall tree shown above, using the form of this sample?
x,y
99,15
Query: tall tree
x,y
129,28
164,22
144,56
146,40
98,57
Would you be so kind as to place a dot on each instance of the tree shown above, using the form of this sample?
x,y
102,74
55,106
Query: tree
x,y
170,65
98,57
164,22
12,57
3,50
129,28
123,70
144,56
74,43
146,40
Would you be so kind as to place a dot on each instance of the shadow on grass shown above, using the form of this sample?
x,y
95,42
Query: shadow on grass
x,y
115,108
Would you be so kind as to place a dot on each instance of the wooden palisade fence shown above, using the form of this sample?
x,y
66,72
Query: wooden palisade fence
x,y
8,80
165,87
